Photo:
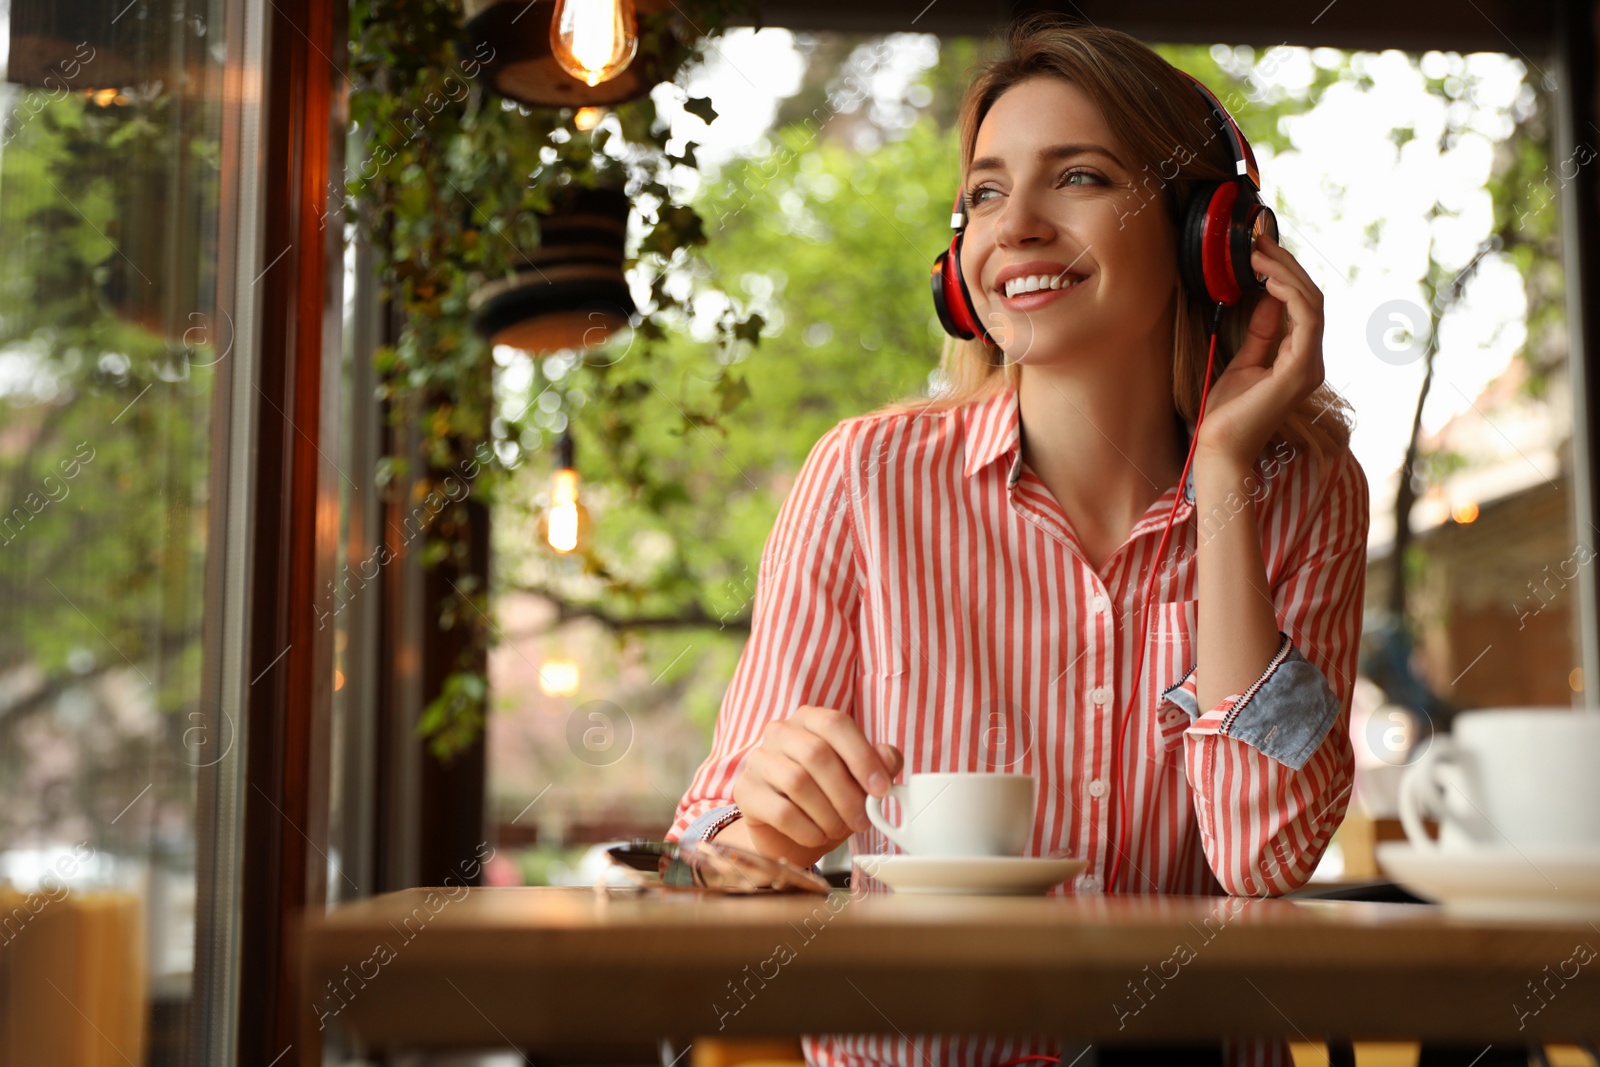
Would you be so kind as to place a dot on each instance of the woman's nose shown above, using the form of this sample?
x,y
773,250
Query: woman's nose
x,y
1021,220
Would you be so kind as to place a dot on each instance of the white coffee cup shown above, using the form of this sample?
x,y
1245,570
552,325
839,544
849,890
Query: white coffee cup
x,y
960,814
1528,778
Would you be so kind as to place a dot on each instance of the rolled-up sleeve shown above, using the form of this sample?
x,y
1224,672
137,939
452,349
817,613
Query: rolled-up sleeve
x,y
1272,766
1284,714
803,640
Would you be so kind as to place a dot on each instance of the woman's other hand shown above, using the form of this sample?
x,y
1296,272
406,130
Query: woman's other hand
x,y
1251,398
803,789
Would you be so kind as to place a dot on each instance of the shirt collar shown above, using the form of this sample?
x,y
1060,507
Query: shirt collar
x,y
994,429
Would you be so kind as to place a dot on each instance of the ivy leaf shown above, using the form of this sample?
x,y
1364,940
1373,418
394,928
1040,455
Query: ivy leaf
x,y
731,392
680,226
687,158
701,106
750,329
692,419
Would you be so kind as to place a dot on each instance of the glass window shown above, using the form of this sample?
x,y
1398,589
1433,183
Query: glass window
x,y
110,342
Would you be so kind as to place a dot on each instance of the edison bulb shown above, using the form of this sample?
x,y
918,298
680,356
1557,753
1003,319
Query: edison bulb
x,y
562,532
594,40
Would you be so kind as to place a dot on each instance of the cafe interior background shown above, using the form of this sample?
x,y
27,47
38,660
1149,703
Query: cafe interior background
x,y
315,585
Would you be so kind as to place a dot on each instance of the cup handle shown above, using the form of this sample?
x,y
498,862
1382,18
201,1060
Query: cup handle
x,y
1421,793
875,815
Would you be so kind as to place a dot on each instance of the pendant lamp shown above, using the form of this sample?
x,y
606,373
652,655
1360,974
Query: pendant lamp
x,y
570,291
525,65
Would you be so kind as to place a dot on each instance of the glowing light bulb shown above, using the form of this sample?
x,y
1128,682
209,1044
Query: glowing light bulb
x,y
562,532
594,40
587,118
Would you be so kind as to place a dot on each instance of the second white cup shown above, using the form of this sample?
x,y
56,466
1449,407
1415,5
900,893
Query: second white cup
x,y
960,813
1523,777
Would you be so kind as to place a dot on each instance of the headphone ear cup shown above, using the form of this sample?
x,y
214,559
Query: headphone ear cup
x,y
966,311
948,291
1249,215
939,281
1191,242
951,298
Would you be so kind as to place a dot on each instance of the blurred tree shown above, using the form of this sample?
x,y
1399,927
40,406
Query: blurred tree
x,y
1526,230
107,351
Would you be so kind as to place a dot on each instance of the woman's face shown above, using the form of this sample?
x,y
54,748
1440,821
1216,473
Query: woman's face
x,y
1051,192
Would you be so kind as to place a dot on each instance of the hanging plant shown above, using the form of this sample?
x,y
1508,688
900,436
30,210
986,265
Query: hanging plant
x,y
448,186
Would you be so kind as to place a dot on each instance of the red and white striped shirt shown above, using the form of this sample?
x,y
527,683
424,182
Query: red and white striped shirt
x,y
922,578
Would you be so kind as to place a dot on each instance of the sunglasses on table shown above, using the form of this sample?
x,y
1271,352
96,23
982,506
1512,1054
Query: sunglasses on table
x,y
710,866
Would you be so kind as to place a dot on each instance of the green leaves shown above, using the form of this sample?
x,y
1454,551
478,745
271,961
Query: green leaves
x,y
732,392
454,719
680,226
750,329
445,186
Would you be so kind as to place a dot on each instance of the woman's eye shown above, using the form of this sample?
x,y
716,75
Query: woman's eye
x,y
976,196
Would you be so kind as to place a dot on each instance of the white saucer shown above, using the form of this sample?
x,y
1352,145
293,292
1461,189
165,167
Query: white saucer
x,y
1500,883
977,875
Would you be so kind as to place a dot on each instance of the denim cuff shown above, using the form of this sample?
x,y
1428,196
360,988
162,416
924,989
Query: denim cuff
x,y
1183,696
700,823
1284,714
698,826
1288,711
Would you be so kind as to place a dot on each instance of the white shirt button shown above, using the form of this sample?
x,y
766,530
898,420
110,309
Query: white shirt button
x,y
1101,694
1099,603
1097,788
1089,884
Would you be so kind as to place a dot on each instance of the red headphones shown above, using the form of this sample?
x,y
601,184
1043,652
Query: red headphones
x,y
1220,227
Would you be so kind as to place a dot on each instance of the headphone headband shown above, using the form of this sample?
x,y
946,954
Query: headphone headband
x,y
1244,158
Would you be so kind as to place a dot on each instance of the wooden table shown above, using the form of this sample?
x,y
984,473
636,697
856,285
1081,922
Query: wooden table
x,y
535,967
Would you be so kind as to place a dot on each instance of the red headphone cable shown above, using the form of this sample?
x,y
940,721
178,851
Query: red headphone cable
x,y
1119,806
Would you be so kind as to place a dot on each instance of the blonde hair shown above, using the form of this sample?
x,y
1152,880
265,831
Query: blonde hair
x,y
1151,107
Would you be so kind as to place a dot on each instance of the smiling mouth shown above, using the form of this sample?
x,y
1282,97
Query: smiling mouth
x,y
1026,300
1034,283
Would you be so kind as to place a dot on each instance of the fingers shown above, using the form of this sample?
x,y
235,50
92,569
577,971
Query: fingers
x,y
1262,329
830,794
1288,282
845,736
810,776
892,758
1282,255
779,792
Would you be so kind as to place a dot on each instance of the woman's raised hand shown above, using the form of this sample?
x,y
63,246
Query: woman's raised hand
x,y
1250,400
803,789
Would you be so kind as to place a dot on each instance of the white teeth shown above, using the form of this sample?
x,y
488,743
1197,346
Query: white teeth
x,y
1034,282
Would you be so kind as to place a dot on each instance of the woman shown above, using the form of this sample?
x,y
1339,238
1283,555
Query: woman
x,y
958,584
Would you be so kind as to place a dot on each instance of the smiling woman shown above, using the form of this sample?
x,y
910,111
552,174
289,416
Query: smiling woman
x,y
994,589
